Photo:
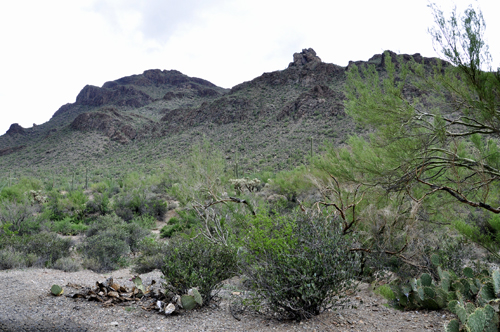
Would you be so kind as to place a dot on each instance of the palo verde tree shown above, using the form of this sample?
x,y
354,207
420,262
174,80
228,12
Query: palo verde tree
x,y
435,125
436,128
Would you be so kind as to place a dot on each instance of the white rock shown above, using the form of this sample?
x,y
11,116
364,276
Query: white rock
x,y
160,305
113,323
169,309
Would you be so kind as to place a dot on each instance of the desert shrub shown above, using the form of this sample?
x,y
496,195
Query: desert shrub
x,y
11,259
105,251
108,240
21,217
138,203
145,221
299,265
67,264
291,183
152,256
103,223
46,247
134,235
60,206
12,194
198,263
17,192
99,205
185,221
68,227
99,187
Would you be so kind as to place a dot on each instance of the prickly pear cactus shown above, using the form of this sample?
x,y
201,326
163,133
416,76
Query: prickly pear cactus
x,y
452,326
197,297
56,290
188,302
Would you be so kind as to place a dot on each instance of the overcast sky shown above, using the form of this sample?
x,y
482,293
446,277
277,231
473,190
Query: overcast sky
x,y
51,49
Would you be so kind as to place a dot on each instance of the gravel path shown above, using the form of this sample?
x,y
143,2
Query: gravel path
x,y
27,305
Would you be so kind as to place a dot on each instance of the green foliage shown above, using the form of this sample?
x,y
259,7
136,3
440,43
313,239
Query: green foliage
x,y
434,127
61,205
291,183
67,264
68,227
145,221
198,263
40,250
198,175
109,239
298,264
99,205
137,203
152,255
186,220
386,292
105,251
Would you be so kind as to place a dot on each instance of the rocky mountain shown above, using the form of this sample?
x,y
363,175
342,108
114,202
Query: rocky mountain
x,y
275,119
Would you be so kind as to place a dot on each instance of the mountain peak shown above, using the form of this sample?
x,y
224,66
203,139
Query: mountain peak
x,y
307,58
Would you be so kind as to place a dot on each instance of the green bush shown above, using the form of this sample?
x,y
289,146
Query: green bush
x,y
67,264
139,203
152,256
105,251
68,227
198,263
299,265
46,247
185,221
21,217
145,221
11,259
108,240
99,205
60,206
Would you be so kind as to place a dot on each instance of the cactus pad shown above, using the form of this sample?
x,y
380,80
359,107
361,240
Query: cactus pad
x,y
188,302
452,326
56,290
426,279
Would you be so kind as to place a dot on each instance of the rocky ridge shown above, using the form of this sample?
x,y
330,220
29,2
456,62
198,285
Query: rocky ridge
x,y
274,111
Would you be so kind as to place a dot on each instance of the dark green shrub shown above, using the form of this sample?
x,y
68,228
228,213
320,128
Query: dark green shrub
x,y
139,203
21,217
13,194
134,235
299,265
109,239
47,247
185,221
68,227
105,251
103,223
99,205
152,255
145,221
198,263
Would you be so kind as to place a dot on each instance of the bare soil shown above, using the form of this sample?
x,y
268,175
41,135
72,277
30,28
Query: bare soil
x,y
27,305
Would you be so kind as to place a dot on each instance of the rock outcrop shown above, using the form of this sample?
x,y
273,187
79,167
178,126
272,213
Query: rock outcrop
x,y
307,57
15,129
109,122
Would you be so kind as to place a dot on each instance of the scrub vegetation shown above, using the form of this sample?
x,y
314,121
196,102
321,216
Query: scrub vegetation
x,y
410,203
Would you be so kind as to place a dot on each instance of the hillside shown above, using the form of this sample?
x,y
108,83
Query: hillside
x,y
271,122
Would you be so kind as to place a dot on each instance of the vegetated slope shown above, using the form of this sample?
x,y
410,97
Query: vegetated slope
x,y
273,121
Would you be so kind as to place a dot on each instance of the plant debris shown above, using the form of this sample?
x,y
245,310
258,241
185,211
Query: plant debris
x,y
110,293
